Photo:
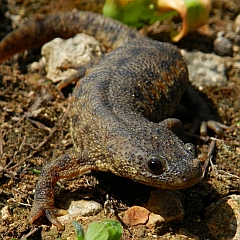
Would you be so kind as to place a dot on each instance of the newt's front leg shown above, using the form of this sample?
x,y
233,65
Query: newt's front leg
x,y
67,166
203,118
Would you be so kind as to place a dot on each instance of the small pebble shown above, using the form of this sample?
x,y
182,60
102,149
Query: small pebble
x,y
154,221
223,47
236,24
6,215
135,216
82,208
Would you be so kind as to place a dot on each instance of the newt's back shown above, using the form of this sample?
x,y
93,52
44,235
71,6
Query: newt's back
x,y
116,110
142,79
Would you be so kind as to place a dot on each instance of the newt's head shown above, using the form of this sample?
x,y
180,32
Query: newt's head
x,y
155,157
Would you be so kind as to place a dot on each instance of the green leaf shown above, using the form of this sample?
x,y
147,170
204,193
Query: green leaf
x,y
114,229
97,231
104,230
78,229
136,13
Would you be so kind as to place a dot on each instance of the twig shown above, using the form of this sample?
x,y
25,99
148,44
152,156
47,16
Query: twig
x,y
39,125
228,174
23,204
29,234
209,161
209,157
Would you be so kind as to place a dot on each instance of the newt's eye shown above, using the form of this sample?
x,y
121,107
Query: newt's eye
x,y
156,165
190,147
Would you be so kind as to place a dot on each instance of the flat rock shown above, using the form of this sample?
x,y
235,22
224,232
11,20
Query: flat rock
x,y
162,207
135,215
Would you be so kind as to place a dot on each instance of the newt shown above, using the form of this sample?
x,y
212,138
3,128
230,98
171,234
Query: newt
x,y
120,118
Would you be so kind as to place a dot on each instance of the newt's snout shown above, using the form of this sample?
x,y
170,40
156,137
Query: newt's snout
x,y
191,176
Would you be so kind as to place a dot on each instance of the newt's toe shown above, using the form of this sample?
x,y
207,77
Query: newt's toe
x,y
217,127
51,216
35,214
50,212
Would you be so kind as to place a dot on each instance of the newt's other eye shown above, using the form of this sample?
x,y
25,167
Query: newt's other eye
x,y
190,147
156,165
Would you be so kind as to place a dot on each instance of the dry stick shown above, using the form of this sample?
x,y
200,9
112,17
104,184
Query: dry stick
x,y
1,144
34,106
209,161
209,156
23,204
20,148
228,174
29,234
15,124
39,125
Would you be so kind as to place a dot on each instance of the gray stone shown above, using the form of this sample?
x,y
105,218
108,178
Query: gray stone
x,y
205,69
75,51
223,46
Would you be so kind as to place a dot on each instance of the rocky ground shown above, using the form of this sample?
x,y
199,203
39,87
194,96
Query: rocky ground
x,y
34,130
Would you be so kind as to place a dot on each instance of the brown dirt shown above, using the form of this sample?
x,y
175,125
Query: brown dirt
x,y
34,130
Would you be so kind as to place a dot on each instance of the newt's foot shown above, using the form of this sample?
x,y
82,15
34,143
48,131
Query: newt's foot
x,y
41,209
217,127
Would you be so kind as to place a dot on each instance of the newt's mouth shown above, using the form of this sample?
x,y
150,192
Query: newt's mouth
x,y
187,178
185,182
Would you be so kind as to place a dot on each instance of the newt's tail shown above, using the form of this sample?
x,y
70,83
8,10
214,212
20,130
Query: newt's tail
x,y
65,25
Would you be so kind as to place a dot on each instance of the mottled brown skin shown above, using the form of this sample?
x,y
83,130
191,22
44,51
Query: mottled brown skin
x,y
120,110
66,25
